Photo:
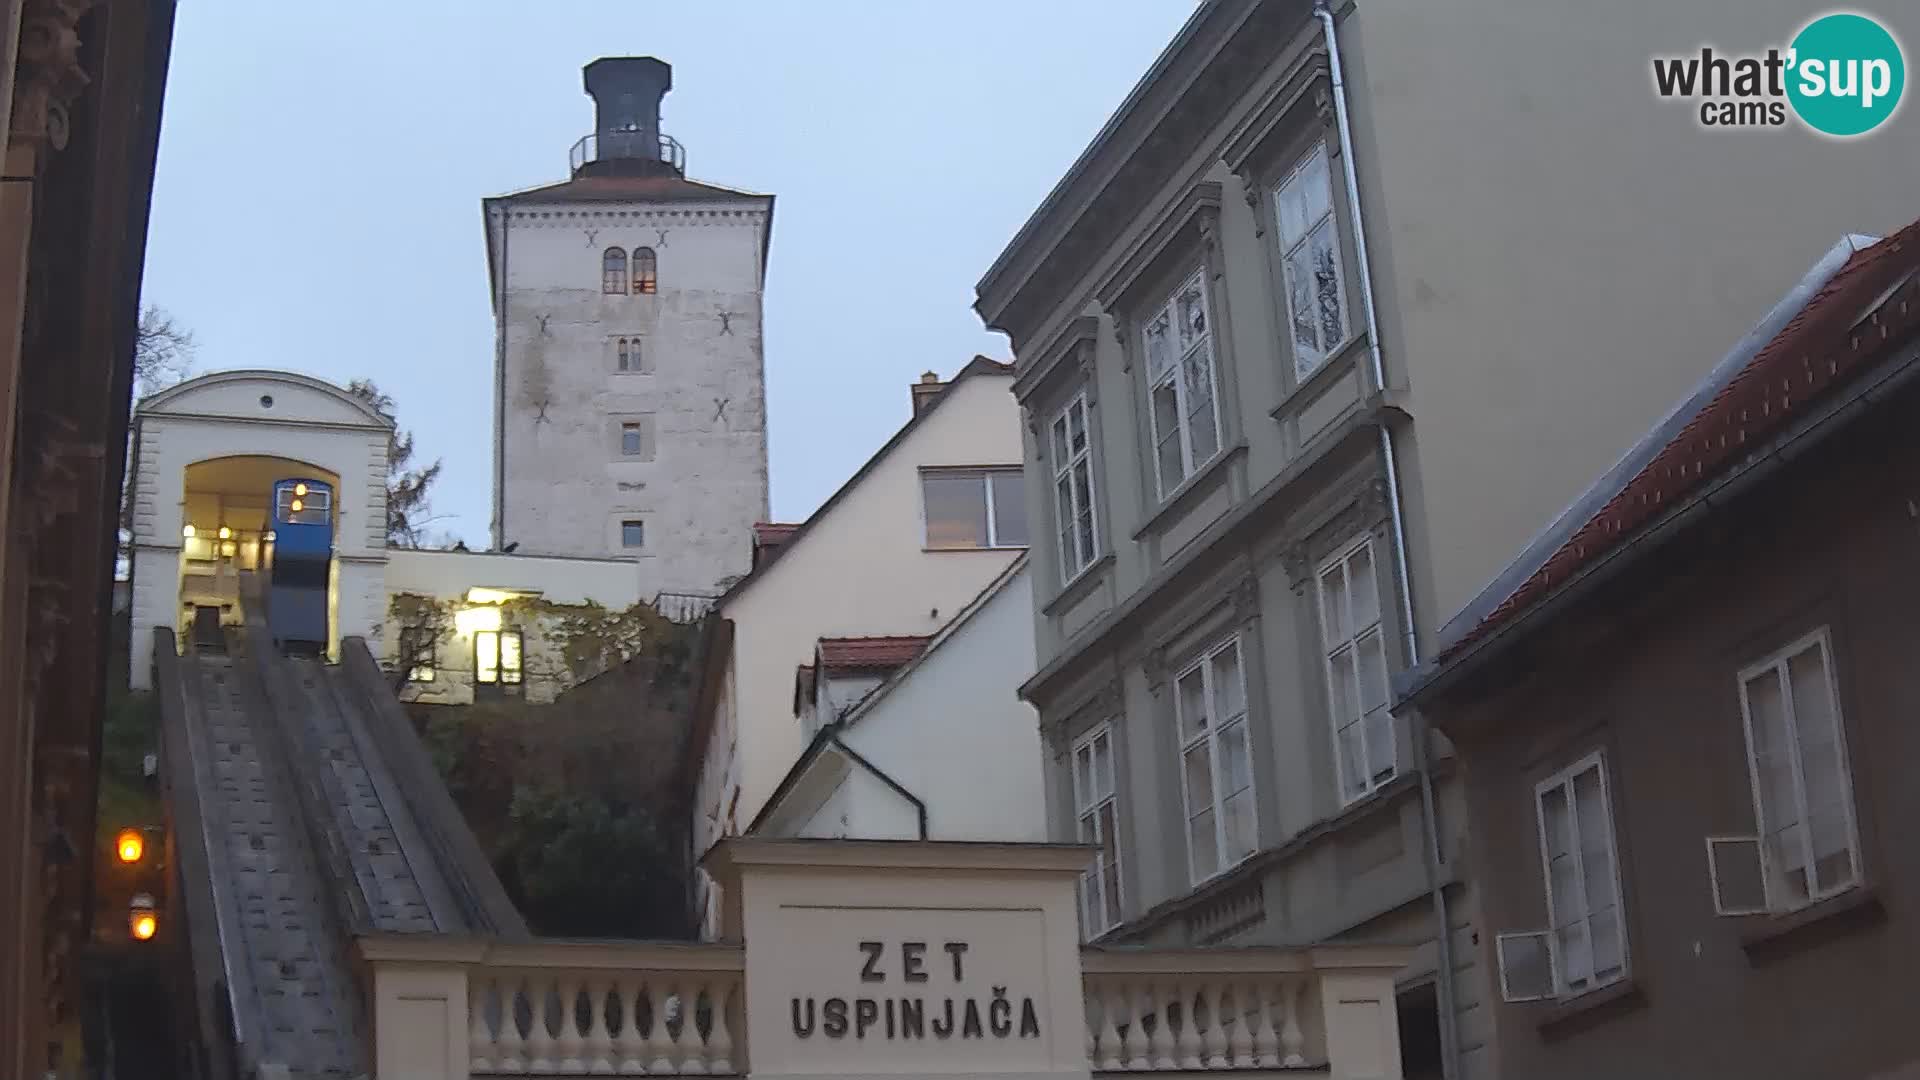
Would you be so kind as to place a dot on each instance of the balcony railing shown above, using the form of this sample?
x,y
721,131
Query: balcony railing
x,y
578,1008
624,145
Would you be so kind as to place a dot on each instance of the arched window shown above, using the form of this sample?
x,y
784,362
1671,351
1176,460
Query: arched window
x,y
613,271
646,275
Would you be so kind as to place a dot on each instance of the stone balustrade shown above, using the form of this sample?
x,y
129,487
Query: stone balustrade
x,y
577,1008
1196,1010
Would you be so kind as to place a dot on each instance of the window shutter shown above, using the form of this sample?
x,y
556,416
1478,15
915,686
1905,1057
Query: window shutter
x,y
1736,868
1526,965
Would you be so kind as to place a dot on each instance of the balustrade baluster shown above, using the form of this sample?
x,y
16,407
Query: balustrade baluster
x,y
631,1046
1292,1040
539,1036
660,1040
569,1045
1125,1002
598,1047
693,1054
1189,1029
511,1057
1240,1033
1215,995
1112,1015
1159,1006
1266,1042
720,1040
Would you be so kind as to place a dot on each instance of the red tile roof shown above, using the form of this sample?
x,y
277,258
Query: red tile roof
x,y
1830,342
773,532
870,653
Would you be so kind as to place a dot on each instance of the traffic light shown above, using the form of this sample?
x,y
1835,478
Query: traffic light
x,y
143,920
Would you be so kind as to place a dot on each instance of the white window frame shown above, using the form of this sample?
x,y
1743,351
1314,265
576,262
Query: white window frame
x,y
1217,774
1190,461
1330,650
1098,911
1306,362
1596,761
1776,662
1068,511
986,474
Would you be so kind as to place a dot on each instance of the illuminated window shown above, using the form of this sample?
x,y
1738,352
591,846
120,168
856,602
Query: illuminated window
x,y
633,534
496,657
646,271
613,271
974,508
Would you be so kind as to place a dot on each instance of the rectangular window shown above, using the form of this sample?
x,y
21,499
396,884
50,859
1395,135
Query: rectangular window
x,y
1216,764
627,354
1577,854
1356,661
974,508
633,533
1181,384
496,657
630,440
1094,805
1071,446
1809,844
1309,239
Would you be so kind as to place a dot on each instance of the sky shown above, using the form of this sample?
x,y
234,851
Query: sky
x,y
317,199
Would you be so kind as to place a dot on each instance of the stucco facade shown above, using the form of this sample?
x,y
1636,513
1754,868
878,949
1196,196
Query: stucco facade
x,y
860,565
1548,275
630,398
205,453
945,744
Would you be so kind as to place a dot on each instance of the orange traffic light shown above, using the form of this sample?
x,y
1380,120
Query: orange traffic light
x,y
142,920
130,846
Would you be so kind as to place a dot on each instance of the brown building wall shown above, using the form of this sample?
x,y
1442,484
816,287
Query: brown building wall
x,y
1647,672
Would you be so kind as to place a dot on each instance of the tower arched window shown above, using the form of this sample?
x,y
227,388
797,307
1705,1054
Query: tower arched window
x,y
646,272
613,271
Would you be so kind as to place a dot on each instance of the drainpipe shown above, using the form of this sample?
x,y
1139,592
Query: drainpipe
x,y
1449,1023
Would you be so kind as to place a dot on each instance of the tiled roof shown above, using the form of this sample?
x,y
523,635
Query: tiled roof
x,y
773,532
869,653
1836,336
586,189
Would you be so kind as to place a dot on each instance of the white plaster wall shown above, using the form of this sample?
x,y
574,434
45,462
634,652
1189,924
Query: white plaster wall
x,y
955,733
860,570
224,415
565,485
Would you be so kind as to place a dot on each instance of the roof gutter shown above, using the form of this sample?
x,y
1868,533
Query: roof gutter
x,y
1806,435
829,735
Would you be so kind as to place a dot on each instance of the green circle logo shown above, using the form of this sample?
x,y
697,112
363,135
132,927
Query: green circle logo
x,y
1846,74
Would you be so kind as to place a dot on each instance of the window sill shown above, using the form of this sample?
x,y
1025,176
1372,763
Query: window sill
x,y
1001,548
1767,938
1596,1006
1081,584
1336,366
1179,497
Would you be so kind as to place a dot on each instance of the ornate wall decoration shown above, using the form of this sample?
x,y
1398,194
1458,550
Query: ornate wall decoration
x,y
48,77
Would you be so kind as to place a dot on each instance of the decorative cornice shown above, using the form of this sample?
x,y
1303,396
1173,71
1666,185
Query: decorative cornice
x,y
574,218
1245,600
1298,564
1057,354
48,76
1197,209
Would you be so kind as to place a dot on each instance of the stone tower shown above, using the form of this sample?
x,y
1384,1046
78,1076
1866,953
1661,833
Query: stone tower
x,y
629,381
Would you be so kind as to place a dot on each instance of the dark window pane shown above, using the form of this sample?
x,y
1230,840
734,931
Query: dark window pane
x,y
1009,510
632,534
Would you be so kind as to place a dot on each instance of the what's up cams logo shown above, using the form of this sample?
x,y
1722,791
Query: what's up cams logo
x,y
1843,75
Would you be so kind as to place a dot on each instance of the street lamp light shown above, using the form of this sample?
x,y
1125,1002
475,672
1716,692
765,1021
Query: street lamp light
x,y
130,845
142,920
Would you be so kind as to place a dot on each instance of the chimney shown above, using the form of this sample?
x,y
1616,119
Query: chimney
x,y
925,391
626,92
